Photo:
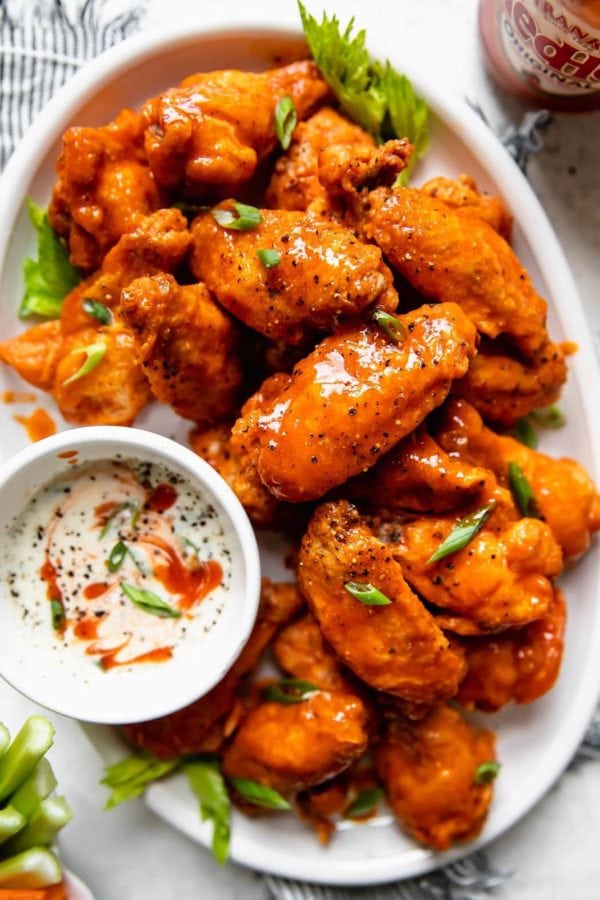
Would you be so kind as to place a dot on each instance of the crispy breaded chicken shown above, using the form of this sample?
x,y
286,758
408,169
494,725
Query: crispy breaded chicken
x,y
352,399
396,647
302,652
462,192
34,354
104,185
519,665
446,254
207,135
295,181
565,494
429,770
322,276
188,347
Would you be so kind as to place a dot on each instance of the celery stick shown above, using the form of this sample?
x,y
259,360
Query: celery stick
x,y
46,820
4,739
11,821
36,787
31,743
36,868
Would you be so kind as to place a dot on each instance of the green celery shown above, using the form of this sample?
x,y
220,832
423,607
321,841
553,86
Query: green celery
x,y
46,820
36,868
31,743
11,821
35,788
4,739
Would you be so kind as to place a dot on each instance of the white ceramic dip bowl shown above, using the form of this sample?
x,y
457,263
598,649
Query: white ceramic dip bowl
x,y
44,664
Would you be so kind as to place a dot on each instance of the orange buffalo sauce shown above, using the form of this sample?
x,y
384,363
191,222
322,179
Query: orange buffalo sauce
x,y
39,424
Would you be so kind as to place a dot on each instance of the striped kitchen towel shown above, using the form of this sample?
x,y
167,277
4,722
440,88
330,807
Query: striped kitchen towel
x,y
43,43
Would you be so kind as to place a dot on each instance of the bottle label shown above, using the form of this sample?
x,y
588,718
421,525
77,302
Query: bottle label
x,y
554,51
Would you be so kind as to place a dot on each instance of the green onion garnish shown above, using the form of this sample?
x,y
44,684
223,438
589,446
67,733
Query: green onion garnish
x,y
149,602
286,119
248,217
259,794
549,417
135,512
367,594
364,803
526,433
486,772
269,258
391,325
57,614
463,532
522,491
94,354
97,311
289,690
117,556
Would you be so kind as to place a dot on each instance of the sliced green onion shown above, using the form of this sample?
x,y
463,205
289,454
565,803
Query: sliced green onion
x,y
391,325
97,311
129,777
364,803
248,217
286,120
367,594
36,868
259,794
35,788
289,690
46,820
135,512
31,743
11,821
486,772
208,785
522,492
117,556
149,602
94,354
269,258
4,739
549,417
526,433
463,532
57,615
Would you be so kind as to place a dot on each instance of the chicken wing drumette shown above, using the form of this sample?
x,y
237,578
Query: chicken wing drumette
x,y
355,396
396,647
518,665
295,182
565,494
322,274
445,253
104,185
186,344
429,772
208,134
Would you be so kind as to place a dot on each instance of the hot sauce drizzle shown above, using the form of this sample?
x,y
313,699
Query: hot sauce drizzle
x,y
38,425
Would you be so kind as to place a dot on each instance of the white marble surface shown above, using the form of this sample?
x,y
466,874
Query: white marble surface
x,y
128,854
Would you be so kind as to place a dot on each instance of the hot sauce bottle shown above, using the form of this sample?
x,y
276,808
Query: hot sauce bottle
x,y
545,52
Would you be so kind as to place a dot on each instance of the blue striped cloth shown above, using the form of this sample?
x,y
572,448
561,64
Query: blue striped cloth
x,y
43,43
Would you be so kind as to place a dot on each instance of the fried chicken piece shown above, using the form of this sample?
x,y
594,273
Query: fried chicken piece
x,y
295,183
462,192
208,134
293,747
352,399
302,653
446,254
158,243
504,388
500,579
186,344
520,665
104,185
216,447
566,496
114,392
428,769
34,354
419,476
324,274
202,726
396,648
